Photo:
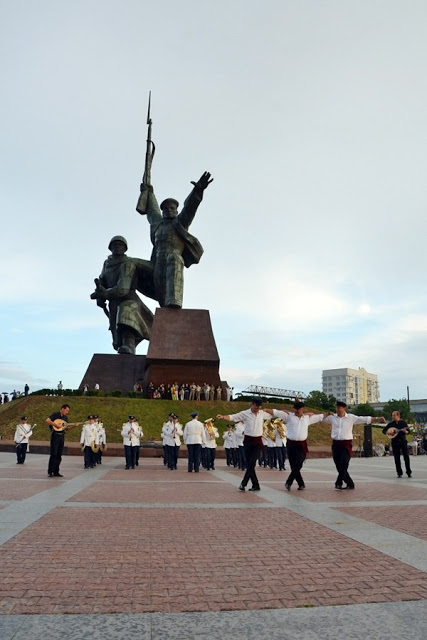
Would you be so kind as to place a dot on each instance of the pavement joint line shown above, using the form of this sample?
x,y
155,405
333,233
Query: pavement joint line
x,y
393,543
171,505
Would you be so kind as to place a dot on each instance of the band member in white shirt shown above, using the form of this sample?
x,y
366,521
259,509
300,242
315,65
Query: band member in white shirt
x,y
194,436
280,442
297,428
230,446
211,434
102,440
342,441
89,438
239,434
22,437
131,434
253,420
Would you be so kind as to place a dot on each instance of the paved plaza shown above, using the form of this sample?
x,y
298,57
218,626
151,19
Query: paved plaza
x,y
151,553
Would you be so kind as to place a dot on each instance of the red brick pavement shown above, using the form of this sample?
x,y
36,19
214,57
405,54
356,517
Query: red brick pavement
x,y
410,519
78,560
165,492
375,491
17,489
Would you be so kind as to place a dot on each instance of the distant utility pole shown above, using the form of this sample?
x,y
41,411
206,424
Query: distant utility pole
x,y
407,395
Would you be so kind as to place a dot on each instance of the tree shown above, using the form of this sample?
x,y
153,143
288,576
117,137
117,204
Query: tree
x,y
398,405
319,400
364,409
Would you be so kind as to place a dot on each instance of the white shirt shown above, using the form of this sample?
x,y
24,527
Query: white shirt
x,y
102,436
194,432
297,428
23,433
89,434
239,433
131,439
171,432
211,443
253,421
342,428
229,440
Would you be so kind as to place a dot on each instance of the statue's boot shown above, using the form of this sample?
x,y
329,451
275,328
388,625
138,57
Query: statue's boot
x,y
128,343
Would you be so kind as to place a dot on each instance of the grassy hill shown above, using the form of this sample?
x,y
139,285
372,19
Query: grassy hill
x,y
151,415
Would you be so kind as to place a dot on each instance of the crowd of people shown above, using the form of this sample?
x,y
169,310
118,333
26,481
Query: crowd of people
x,y
186,391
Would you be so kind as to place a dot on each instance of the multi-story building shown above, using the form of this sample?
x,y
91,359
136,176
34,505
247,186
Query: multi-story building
x,y
353,386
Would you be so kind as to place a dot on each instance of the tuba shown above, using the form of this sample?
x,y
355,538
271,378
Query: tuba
x,y
278,423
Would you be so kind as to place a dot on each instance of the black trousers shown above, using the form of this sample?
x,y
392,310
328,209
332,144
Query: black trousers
x,y
89,457
341,456
210,457
229,456
252,451
241,457
194,455
57,439
170,456
296,456
130,455
400,447
281,456
21,452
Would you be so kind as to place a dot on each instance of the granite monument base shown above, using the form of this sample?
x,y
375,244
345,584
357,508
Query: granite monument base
x,y
182,349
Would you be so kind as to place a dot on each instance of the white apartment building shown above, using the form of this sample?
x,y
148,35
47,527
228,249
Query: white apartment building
x,y
353,386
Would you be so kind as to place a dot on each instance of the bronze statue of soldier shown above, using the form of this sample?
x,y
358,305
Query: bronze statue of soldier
x,y
130,319
173,246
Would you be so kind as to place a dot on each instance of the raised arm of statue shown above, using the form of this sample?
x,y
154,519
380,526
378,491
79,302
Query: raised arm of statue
x,y
193,200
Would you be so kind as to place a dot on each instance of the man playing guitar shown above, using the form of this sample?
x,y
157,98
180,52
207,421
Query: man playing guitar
x,y
397,430
57,438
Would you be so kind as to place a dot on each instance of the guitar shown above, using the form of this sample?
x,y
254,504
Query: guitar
x,y
392,432
60,425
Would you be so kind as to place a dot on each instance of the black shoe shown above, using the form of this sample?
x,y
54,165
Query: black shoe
x,y
190,470
255,489
399,475
127,468
409,475
58,475
301,488
242,488
350,486
50,475
338,486
287,486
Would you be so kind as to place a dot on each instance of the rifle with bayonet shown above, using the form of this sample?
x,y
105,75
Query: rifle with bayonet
x,y
141,206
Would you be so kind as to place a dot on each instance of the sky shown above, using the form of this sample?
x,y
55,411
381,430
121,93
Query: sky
x,y
311,116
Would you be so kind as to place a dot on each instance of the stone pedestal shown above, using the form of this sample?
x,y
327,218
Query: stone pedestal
x,y
114,372
182,348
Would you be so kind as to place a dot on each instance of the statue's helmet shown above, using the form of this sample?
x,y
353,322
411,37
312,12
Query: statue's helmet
x,y
119,238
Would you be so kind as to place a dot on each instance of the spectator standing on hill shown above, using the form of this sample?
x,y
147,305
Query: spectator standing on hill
x,y
26,389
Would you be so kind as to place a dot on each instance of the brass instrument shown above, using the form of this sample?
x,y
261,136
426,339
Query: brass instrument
x,y
280,427
94,446
210,428
268,429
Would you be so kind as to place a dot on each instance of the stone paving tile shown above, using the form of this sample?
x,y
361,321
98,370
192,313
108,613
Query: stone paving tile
x,y
364,491
76,560
410,519
195,490
15,489
150,472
